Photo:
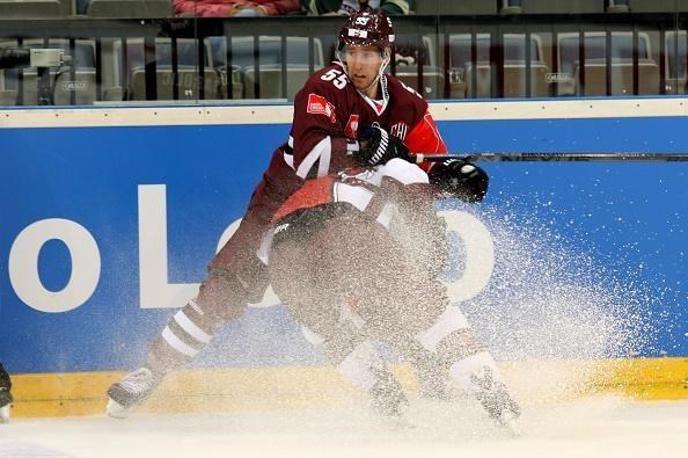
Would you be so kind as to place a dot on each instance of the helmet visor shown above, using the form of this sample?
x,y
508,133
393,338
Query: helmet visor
x,y
363,54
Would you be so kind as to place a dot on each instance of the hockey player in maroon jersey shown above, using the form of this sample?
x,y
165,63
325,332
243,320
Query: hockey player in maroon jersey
x,y
330,113
356,258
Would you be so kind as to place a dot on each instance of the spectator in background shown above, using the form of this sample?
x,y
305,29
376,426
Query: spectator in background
x,y
346,7
235,8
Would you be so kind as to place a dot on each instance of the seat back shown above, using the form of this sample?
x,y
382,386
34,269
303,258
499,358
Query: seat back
x,y
188,83
129,8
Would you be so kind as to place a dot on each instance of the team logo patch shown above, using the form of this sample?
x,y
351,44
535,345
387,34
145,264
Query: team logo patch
x,y
351,129
399,130
319,105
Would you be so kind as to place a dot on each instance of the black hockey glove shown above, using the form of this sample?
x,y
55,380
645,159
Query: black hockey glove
x,y
459,178
377,147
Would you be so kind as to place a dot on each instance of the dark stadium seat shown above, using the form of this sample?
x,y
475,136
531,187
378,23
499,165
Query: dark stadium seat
x,y
431,7
562,7
622,78
407,53
596,66
187,71
270,64
657,6
28,9
675,66
271,81
462,69
130,8
83,84
188,83
618,6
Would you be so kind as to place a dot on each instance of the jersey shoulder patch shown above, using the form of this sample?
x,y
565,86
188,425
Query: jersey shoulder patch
x,y
319,105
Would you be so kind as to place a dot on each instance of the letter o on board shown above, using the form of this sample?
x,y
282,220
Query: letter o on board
x,y
23,265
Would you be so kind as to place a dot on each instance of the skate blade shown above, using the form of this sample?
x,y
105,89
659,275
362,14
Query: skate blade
x,y
116,410
5,414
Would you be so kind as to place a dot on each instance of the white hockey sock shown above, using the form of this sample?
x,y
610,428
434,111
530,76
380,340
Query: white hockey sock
x,y
185,336
451,320
362,366
5,414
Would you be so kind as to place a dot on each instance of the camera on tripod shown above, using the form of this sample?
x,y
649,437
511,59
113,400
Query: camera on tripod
x,y
43,59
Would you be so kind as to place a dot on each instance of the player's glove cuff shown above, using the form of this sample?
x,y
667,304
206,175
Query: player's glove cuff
x,y
377,147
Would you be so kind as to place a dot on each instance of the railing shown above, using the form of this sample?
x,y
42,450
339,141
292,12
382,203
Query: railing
x,y
528,56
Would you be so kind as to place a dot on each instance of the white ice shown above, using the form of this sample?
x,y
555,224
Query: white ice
x,y
601,427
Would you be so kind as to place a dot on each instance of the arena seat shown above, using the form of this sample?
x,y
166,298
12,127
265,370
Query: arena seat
x,y
596,66
622,78
562,7
29,9
462,69
618,6
675,65
432,7
270,64
187,70
129,8
188,83
407,53
657,6
83,84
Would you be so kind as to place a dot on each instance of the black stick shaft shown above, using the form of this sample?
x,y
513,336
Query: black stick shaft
x,y
557,157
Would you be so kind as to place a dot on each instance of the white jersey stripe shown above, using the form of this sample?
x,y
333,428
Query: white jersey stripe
x,y
176,343
191,328
323,147
324,164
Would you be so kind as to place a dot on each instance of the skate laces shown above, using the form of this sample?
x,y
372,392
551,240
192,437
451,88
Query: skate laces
x,y
139,380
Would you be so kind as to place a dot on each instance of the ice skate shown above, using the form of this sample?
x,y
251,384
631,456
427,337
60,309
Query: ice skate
x,y
5,404
131,391
5,395
497,402
387,396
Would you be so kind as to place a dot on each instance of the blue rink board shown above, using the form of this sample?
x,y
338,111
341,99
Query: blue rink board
x,y
621,214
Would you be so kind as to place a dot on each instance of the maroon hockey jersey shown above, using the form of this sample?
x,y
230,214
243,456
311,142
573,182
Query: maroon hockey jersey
x,y
329,111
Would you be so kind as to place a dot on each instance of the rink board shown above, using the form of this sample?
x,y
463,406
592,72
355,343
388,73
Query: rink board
x,y
95,179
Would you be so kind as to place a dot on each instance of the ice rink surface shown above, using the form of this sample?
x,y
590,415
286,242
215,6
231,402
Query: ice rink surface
x,y
600,427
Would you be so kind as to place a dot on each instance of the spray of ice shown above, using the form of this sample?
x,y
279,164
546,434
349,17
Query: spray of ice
x,y
555,309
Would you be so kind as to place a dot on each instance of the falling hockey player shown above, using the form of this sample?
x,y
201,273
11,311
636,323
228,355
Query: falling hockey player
x,y
334,106
356,258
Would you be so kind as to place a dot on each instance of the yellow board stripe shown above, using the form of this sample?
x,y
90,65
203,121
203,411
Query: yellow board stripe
x,y
256,389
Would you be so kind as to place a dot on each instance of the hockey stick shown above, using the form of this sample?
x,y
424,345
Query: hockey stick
x,y
557,157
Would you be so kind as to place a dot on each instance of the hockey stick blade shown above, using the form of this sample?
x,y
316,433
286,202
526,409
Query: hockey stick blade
x,y
557,157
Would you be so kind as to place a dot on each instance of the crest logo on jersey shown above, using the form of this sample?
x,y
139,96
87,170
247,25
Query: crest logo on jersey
x,y
351,129
399,130
319,105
